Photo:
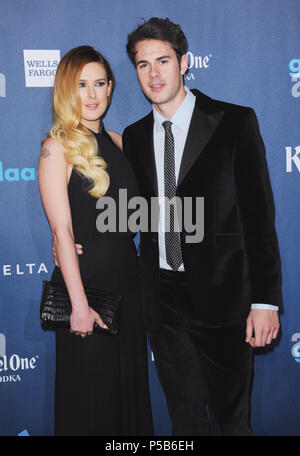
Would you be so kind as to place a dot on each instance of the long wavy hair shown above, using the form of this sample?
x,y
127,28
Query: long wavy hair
x,y
81,149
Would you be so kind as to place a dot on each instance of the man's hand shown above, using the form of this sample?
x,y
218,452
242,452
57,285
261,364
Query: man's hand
x,y
54,253
264,323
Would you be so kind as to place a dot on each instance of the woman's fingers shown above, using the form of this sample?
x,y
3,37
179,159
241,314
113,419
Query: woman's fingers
x,y
99,322
84,327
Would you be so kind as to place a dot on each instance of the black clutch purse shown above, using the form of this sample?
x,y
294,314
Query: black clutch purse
x,y
55,308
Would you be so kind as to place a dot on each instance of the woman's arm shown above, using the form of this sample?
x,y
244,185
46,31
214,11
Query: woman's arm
x,y
53,175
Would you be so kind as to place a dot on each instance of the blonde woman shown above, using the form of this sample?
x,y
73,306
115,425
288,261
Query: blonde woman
x,y
101,383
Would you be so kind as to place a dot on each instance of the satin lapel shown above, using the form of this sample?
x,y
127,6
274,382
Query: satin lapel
x,y
201,129
147,158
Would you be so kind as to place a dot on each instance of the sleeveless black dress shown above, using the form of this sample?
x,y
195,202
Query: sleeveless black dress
x,y
101,385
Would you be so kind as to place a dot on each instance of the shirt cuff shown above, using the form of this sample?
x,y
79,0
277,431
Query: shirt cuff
x,y
264,306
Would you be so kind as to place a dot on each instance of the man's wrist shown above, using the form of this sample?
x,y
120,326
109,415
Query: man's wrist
x,y
264,306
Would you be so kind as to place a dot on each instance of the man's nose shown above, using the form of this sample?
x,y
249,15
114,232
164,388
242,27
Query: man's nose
x,y
154,72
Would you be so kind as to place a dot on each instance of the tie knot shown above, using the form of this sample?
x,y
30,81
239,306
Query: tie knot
x,y
167,125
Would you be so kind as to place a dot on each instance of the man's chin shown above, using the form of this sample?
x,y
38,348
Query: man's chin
x,y
157,99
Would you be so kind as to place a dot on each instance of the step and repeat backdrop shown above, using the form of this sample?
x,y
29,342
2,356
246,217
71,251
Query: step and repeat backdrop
x,y
241,51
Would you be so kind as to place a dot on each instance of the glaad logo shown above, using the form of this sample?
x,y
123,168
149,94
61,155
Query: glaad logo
x,y
196,62
296,347
13,366
2,86
294,67
40,67
292,157
24,433
15,174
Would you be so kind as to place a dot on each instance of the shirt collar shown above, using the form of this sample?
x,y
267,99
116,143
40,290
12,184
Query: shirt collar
x,y
182,117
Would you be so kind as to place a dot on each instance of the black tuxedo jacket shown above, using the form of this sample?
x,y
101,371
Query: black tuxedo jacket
x,y
237,263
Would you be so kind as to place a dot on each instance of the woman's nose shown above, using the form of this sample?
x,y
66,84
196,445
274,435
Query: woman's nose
x,y
91,92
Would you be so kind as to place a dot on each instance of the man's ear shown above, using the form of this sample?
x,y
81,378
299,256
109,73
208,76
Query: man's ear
x,y
184,64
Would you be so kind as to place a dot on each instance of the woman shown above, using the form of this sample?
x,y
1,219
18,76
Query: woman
x,y
101,383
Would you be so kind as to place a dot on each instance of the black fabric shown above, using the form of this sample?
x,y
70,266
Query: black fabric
x,y
101,380
202,323
205,372
238,261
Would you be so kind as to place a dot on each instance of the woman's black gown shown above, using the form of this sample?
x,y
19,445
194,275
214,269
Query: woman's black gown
x,y
101,383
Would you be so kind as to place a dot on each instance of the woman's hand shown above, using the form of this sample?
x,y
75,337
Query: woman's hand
x,y
82,321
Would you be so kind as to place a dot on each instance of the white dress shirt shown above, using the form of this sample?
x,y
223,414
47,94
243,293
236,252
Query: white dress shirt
x,y
180,126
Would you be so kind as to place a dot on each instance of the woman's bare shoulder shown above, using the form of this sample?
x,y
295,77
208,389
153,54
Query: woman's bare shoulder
x,y
51,146
116,137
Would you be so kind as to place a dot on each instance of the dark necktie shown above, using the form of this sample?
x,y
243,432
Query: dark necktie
x,y
172,238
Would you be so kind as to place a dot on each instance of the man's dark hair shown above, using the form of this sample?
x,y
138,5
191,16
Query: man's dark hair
x,y
158,29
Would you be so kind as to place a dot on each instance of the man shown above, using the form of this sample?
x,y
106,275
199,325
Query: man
x,y
207,303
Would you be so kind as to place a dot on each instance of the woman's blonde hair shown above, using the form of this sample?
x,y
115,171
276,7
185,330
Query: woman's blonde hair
x,y
81,149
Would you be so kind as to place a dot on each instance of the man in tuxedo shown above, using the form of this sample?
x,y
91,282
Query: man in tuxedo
x,y
205,304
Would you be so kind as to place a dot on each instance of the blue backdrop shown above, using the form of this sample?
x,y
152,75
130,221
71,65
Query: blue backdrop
x,y
242,51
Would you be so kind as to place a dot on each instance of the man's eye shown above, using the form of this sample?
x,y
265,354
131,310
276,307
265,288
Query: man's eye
x,y
164,61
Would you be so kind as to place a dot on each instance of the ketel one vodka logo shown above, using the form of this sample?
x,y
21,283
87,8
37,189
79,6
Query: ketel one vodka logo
x,y
196,63
12,367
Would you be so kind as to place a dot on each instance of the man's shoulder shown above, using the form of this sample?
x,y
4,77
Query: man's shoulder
x,y
211,105
139,125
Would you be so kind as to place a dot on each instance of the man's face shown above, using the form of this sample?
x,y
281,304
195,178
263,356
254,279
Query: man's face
x,y
160,74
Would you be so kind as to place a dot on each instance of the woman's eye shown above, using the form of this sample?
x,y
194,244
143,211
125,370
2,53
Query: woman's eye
x,y
81,84
100,84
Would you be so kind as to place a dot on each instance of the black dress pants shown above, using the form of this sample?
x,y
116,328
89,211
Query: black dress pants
x,y
205,372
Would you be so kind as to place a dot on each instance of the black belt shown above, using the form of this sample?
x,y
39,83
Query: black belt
x,y
172,275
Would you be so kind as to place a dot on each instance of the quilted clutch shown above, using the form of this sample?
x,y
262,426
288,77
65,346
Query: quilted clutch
x,y
56,308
